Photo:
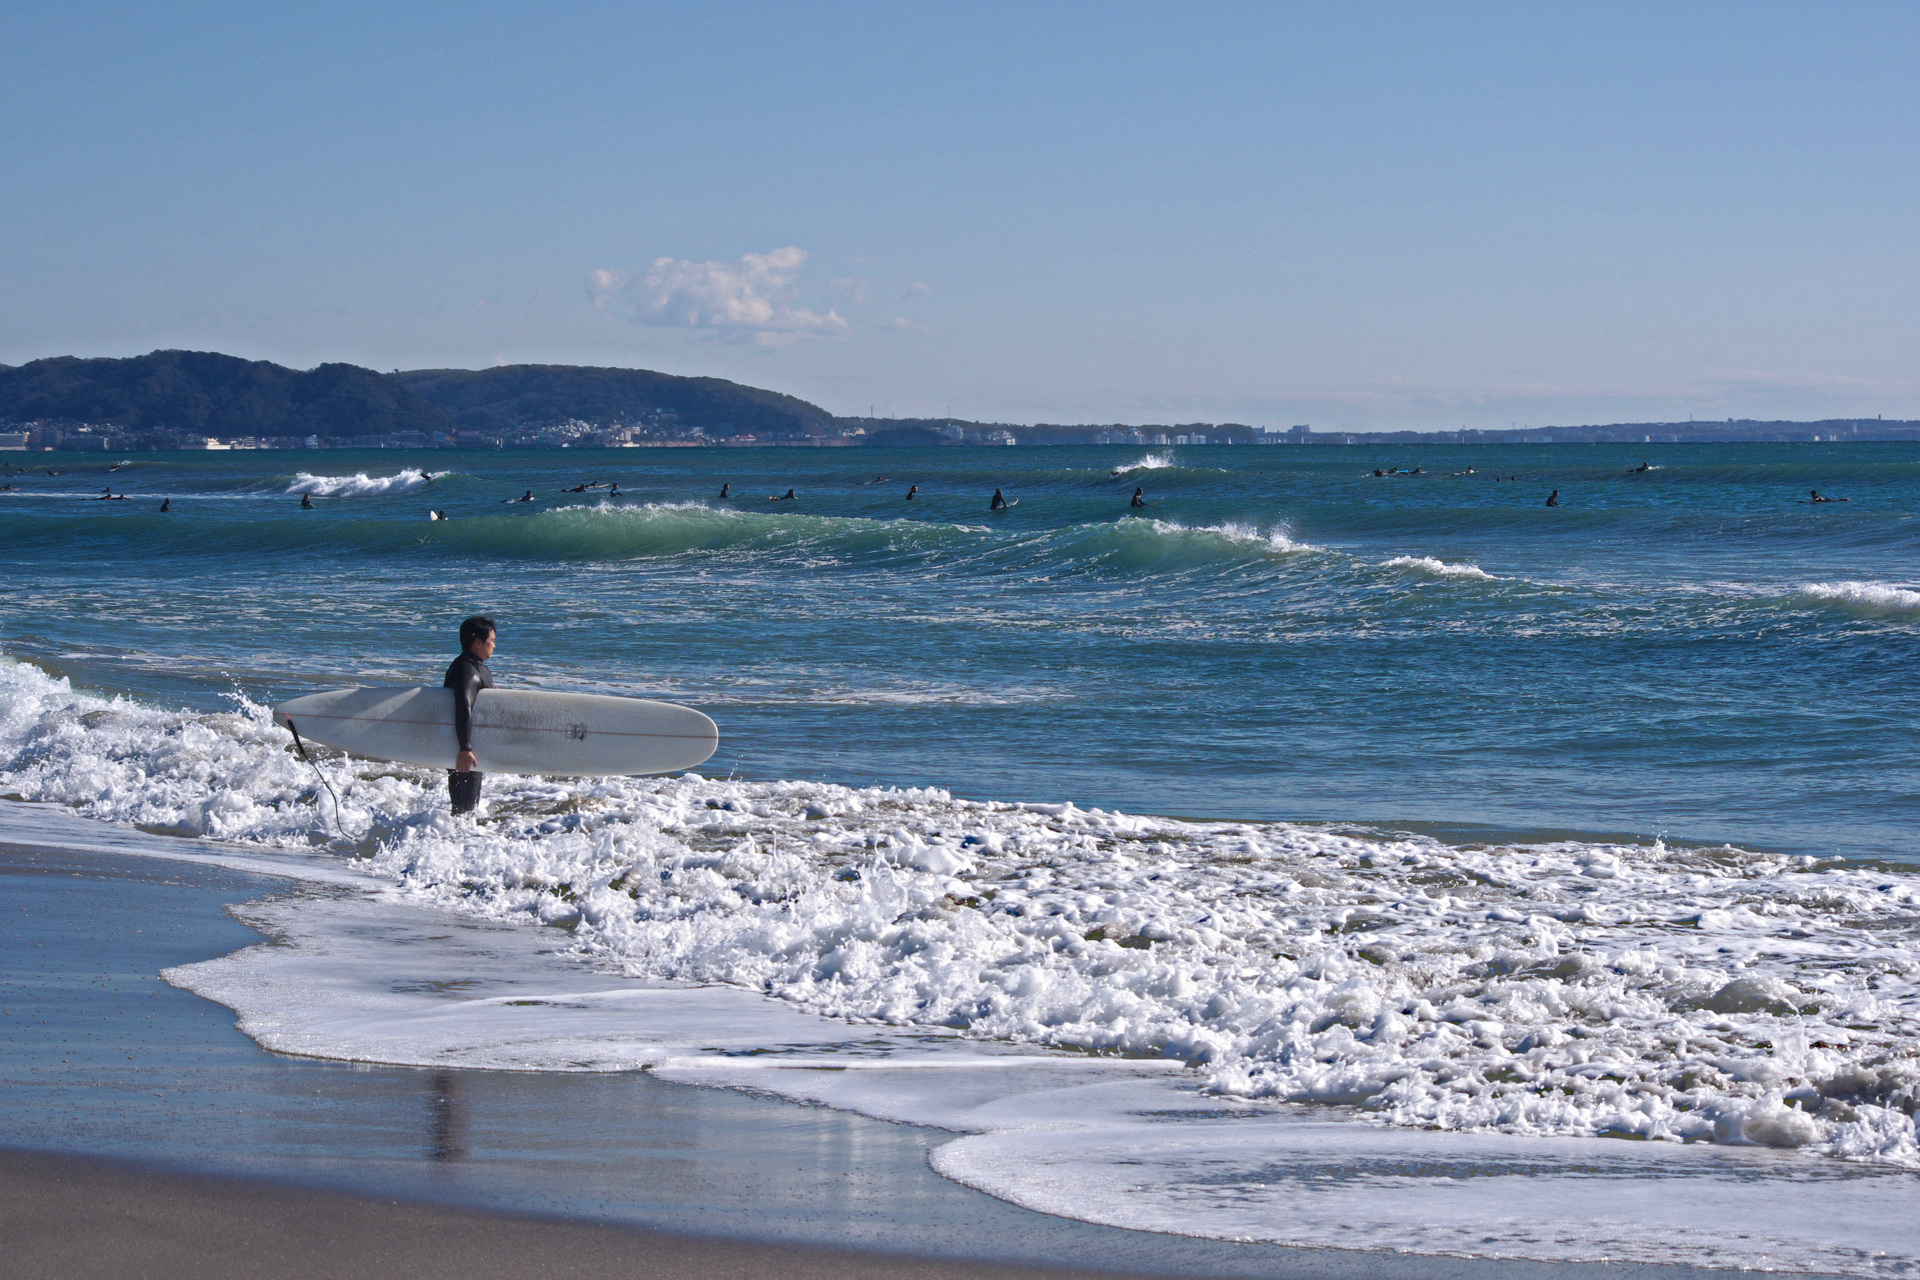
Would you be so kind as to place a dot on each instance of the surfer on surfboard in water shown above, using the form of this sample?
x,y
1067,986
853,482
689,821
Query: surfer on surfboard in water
x,y
467,676
999,502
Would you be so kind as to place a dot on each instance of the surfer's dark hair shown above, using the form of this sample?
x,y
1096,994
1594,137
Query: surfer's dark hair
x,y
478,627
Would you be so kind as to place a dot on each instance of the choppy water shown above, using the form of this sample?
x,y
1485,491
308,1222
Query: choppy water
x,y
1406,796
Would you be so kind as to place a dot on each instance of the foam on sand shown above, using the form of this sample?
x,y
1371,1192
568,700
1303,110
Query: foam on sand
x,y
1134,1016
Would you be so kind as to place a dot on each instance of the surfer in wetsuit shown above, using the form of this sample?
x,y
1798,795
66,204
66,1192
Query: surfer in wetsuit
x,y
726,489
1139,498
306,502
467,676
1815,497
911,490
999,502
166,504
1553,499
788,496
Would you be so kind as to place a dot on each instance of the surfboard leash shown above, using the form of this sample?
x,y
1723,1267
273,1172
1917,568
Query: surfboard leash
x,y
301,747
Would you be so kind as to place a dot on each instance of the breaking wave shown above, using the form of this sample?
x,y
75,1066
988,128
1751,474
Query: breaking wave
x,y
358,485
1152,462
1867,598
1560,988
1439,568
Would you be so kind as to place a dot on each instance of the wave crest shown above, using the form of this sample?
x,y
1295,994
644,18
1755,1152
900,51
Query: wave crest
x,y
1868,598
358,485
1439,568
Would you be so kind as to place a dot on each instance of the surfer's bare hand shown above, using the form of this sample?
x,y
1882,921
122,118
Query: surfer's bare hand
x,y
465,762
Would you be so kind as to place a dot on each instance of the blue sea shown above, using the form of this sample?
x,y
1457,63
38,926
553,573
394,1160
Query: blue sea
x,y
1348,790
1692,651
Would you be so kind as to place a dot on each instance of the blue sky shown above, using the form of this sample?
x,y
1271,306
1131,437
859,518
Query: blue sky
x,y
1359,216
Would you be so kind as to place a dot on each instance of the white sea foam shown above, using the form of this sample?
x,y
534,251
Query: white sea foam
x,y
1439,568
1863,597
358,485
1276,539
1551,994
1152,462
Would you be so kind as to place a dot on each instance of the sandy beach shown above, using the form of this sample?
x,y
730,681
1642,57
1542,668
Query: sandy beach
x,y
72,1218
144,1135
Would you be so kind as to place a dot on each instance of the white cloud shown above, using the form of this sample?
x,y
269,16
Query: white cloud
x,y
753,299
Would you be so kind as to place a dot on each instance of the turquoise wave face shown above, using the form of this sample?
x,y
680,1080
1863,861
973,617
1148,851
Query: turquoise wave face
x,y
1694,649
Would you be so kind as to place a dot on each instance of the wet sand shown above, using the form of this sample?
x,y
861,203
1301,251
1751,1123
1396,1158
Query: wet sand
x,y
144,1135
73,1218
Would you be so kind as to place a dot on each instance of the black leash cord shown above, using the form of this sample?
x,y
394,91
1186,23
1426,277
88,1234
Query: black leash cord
x,y
301,747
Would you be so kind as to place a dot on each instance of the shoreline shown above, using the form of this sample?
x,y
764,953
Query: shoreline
x,y
617,1152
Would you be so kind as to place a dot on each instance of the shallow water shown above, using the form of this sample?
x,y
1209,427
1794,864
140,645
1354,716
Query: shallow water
x,y
1558,824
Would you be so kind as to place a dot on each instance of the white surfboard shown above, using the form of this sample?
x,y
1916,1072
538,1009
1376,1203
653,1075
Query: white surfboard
x,y
514,730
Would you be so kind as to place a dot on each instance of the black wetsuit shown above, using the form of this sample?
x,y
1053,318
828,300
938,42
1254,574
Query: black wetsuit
x,y
467,676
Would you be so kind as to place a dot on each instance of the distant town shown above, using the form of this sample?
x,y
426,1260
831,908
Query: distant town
x,y
174,400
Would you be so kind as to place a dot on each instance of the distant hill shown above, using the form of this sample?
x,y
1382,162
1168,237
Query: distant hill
x,y
542,394
203,392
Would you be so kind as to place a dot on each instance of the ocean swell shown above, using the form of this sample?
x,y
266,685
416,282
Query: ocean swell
x,y
1564,988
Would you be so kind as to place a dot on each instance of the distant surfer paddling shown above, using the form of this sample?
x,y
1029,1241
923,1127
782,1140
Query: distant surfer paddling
x,y
467,676
1814,496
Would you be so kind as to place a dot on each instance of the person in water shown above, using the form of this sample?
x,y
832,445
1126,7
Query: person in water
x,y
467,676
1139,498
911,490
999,502
1814,496
726,489
166,504
525,497
306,502
1553,499
1641,469
788,496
